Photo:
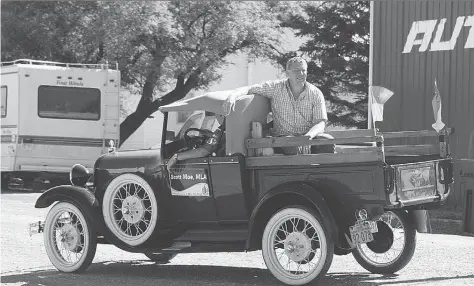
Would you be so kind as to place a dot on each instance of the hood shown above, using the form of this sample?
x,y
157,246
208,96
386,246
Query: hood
x,y
144,161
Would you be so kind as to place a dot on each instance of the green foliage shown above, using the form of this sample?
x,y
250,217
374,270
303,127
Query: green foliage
x,y
44,30
337,48
165,49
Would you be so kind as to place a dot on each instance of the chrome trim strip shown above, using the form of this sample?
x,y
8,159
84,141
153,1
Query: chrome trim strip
x,y
65,141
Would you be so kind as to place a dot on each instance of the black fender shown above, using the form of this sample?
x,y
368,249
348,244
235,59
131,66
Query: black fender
x,y
79,196
291,193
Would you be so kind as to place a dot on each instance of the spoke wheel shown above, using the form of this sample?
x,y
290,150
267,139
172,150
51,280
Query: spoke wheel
x,y
69,238
296,247
393,245
130,209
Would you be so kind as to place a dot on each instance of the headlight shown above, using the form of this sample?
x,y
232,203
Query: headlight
x,y
79,175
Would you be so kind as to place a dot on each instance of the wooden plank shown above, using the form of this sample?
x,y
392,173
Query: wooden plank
x,y
303,141
355,149
313,159
426,149
351,133
406,134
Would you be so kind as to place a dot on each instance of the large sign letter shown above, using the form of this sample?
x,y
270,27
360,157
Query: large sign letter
x,y
437,45
470,38
420,27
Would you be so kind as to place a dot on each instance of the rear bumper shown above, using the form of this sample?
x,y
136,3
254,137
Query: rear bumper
x,y
419,183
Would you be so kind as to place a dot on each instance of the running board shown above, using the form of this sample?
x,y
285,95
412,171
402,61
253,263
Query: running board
x,y
214,235
177,246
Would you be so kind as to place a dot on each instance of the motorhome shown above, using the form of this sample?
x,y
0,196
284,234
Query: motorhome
x,y
54,115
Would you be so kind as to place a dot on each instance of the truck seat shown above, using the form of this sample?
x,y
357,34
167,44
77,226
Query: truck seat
x,y
248,109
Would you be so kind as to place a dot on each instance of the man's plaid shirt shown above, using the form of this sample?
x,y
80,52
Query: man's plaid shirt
x,y
290,116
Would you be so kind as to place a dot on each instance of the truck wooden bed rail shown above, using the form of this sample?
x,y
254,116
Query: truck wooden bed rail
x,y
346,146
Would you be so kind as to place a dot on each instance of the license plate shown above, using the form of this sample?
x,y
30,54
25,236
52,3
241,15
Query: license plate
x,y
36,227
361,232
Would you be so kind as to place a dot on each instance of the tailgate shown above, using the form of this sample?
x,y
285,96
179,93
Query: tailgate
x,y
421,182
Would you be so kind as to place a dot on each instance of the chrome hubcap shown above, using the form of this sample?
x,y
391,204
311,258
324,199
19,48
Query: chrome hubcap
x,y
69,237
133,209
297,246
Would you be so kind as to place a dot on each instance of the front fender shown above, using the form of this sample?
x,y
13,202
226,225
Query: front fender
x,y
286,195
81,197
76,194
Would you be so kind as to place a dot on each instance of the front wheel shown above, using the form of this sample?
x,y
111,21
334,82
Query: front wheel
x,y
69,238
296,246
393,245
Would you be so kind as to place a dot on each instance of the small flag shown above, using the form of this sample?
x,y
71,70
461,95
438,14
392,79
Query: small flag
x,y
378,96
436,103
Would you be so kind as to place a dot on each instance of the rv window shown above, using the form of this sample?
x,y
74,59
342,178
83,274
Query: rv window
x,y
4,101
68,102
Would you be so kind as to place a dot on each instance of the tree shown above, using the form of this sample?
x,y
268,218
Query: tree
x,y
165,49
338,53
46,30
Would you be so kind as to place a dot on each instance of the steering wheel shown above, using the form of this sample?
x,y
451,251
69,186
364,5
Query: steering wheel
x,y
195,141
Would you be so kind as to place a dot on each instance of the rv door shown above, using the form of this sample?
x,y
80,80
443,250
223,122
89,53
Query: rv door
x,y
9,115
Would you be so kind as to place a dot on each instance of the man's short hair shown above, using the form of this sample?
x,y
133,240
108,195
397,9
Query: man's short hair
x,y
295,60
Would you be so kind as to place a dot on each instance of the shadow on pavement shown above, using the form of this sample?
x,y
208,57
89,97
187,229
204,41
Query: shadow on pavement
x,y
149,273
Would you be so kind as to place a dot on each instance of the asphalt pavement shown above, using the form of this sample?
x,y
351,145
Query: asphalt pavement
x,y
438,260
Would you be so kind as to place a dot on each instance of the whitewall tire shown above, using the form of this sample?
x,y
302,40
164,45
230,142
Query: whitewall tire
x,y
296,246
130,209
69,238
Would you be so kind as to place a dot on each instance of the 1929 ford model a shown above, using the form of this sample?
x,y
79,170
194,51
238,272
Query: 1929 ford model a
x,y
298,209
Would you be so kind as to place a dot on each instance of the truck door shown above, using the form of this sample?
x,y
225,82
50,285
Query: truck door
x,y
9,117
191,192
228,183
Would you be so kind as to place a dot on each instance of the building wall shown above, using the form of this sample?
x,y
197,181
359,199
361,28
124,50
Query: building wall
x,y
410,49
409,65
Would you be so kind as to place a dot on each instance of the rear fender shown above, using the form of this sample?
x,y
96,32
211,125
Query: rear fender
x,y
286,195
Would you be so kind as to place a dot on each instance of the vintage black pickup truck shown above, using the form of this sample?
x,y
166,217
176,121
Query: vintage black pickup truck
x,y
367,198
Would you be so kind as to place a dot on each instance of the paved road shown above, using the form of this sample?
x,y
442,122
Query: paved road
x,y
439,260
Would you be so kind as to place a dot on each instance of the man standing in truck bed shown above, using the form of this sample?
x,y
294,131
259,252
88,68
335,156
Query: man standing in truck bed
x,y
298,107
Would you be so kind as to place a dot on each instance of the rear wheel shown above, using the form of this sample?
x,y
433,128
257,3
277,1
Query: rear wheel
x,y
69,238
296,247
393,245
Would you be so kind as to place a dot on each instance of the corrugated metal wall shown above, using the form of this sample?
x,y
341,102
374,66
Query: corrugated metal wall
x,y
411,74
